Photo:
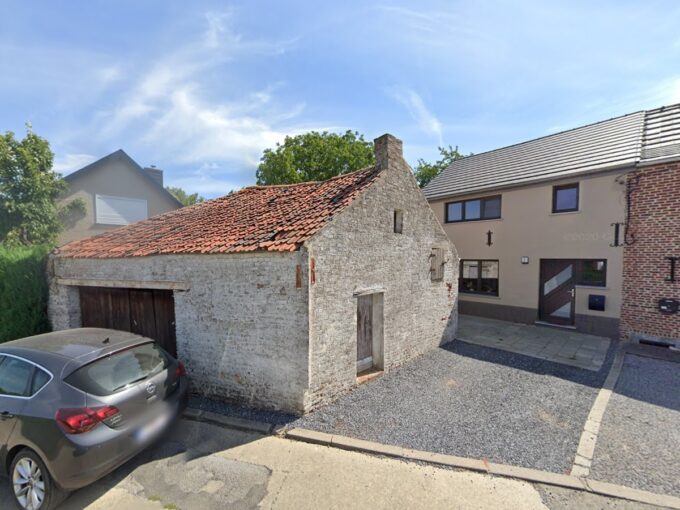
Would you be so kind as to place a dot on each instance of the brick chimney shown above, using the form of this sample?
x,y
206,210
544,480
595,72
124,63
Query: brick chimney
x,y
155,173
387,149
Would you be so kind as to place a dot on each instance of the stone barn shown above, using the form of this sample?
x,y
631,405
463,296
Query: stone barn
x,y
278,297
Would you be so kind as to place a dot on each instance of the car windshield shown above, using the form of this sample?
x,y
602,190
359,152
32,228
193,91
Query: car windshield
x,y
119,370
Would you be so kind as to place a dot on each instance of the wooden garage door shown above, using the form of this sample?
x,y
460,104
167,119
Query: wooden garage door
x,y
148,312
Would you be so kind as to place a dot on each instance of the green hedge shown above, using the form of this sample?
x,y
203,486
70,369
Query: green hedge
x,y
23,292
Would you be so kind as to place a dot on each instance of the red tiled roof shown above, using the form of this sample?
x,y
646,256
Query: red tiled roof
x,y
258,218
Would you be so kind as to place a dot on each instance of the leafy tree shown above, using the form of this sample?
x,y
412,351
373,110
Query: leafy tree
x,y
184,197
425,171
314,156
29,189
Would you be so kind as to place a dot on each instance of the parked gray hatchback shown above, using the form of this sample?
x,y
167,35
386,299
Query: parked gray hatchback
x,y
76,404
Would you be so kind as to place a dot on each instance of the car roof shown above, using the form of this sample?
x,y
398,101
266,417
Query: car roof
x,y
62,352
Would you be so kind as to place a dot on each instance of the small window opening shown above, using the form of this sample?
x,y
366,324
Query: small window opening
x,y
565,198
398,221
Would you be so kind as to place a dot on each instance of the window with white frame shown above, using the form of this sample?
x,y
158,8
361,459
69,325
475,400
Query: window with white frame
x,y
119,210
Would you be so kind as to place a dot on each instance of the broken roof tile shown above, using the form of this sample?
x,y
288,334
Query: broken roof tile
x,y
257,218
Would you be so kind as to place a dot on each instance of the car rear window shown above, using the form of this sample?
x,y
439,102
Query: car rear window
x,y
119,370
15,376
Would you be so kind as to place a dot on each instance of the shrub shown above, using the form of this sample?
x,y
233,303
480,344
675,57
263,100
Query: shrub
x,y
23,292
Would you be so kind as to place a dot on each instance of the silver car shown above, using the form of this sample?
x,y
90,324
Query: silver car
x,y
76,404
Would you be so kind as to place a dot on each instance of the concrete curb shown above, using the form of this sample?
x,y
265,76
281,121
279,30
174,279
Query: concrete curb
x,y
504,470
591,428
228,421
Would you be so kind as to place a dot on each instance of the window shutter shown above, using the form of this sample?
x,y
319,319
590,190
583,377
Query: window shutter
x,y
437,264
119,210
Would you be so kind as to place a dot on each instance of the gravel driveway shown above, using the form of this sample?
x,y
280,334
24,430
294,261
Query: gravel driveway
x,y
640,433
473,401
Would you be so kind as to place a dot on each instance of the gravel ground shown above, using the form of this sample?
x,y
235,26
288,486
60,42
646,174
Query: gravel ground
x,y
472,401
640,433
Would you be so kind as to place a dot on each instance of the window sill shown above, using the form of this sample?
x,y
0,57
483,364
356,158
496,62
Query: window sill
x,y
478,294
471,221
565,212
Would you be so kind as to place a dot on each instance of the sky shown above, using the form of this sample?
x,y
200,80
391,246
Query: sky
x,y
199,89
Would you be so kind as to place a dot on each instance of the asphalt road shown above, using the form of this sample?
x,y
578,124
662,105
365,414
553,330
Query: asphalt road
x,y
638,442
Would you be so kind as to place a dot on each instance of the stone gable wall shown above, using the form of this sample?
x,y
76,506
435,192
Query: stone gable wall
x,y
359,251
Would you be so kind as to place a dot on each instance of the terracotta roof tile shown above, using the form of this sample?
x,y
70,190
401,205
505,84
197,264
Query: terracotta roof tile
x,y
257,218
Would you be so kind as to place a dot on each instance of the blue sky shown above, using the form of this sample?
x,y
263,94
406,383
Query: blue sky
x,y
200,88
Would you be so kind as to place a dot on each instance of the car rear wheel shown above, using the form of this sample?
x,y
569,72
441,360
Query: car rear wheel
x,y
31,483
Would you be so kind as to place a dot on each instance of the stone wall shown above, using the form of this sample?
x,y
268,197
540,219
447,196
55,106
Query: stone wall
x,y
242,325
359,252
654,228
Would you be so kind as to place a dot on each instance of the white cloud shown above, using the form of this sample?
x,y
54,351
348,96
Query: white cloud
x,y
171,106
108,74
206,180
415,105
68,163
673,92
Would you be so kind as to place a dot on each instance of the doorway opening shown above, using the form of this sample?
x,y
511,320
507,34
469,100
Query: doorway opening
x,y
370,348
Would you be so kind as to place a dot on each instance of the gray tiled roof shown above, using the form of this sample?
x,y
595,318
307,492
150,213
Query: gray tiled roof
x,y
662,133
614,143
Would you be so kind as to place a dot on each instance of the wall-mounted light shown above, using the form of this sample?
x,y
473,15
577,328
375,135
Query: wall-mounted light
x,y
524,259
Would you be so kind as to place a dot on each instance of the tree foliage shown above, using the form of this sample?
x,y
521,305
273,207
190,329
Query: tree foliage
x,y
28,191
184,197
425,171
314,156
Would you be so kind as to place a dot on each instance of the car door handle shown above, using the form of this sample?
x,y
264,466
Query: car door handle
x,y
6,415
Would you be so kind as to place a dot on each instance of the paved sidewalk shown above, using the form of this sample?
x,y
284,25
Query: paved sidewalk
x,y
202,466
552,344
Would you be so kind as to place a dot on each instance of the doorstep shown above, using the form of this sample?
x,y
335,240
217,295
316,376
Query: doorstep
x,y
368,375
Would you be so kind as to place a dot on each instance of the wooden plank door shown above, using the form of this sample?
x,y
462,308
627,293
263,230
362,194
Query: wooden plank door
x,y
557,291
164,311
147,312
92,308
364,333
142,313
118,309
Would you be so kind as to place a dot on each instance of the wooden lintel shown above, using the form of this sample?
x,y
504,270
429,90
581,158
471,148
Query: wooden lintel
x,y
127,284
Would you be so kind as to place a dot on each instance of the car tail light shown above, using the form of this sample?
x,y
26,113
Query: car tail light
x,y
181,371
82,419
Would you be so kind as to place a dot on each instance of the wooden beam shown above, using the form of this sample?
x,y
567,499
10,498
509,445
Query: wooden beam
x,y
127,284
